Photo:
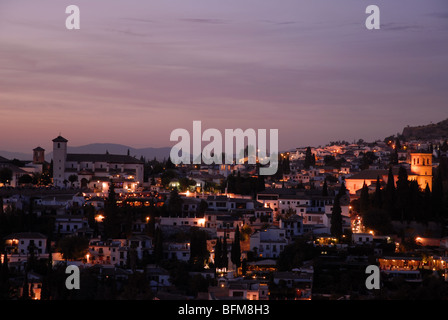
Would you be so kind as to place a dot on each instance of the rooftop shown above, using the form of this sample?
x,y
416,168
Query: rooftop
x,y
25,235
110,158
60,139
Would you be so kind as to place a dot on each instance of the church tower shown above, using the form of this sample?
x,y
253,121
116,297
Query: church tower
x,y
38,155
421,165
59,157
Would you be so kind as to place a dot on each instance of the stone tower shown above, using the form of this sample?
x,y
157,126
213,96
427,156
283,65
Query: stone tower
x,y
421,165
59,157
38,155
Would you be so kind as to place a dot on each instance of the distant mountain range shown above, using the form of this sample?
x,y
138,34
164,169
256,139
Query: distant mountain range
x,y
99,148
427,132
431,131
16,155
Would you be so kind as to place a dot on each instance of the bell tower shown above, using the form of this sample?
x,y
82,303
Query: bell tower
x,y
421,165
59,156
38,155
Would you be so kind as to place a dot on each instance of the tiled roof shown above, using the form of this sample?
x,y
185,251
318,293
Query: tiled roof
x,y
60,139
111,158
26,235
372,174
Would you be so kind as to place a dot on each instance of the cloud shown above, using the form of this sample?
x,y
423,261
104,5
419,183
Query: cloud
x,y
207,21
440,15
400,27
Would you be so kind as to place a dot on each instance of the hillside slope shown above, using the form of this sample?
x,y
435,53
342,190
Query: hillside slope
x,y
431,131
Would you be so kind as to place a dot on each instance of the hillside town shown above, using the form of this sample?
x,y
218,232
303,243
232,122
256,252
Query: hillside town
x,y
148,229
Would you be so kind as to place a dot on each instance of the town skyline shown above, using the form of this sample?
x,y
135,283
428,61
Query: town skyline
x,y
160,152
135,72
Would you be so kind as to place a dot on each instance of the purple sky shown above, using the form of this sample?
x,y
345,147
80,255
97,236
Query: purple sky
x,y
139,69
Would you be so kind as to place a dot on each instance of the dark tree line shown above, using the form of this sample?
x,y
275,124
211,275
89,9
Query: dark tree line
x,y
336,228
244,185
405,200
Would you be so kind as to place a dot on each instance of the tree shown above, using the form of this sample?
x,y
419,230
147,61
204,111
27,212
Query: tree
x,y
310,159
186,184
325,189
415,201
378,196
158,245
175,204
4,278
437,204
73,247
198,246
390,195
112,223
25,179
5,175
367,159
169,165
26,288
235,254
394,157
286,165
202,207
364,201
377,219
261,183
218,254
342,190
73,178
136,288
224,256
427,203
336,219
402,193
294,254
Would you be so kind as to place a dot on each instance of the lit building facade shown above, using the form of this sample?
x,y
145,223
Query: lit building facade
x,y
421,166
94,170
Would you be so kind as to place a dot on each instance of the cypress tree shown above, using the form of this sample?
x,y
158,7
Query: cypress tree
x,y
364,199
218,254
378,197
336,219
225,259
389,194
112,225
325,189
175,204
427,205
310,160
415,202
437,195
236,249
403,194
25,288
4,278
158,245
342,190
46,281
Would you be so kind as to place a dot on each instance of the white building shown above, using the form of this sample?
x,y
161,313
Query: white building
x,y
125,170
248,290
181,221
177,250
19,247
111,252
362,238
68,224
268,243
293,226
